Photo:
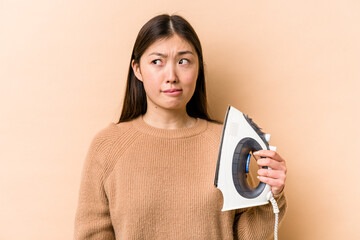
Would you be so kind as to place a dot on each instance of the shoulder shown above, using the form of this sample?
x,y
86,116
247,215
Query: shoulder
x,y
110,133
108,145
215,127
113,135
213,131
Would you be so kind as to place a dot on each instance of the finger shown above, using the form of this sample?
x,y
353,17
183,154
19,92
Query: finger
x,y
270,154
279,183
276,185
273,164
270,173
256,156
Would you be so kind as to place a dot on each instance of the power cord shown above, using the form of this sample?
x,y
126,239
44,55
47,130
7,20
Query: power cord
x,y
276,210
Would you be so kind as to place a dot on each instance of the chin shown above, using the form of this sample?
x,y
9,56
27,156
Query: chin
x,y
173,106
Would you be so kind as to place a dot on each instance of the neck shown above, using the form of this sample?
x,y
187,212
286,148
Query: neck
x,y
168,119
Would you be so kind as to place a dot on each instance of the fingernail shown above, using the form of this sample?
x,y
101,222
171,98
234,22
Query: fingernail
x,y
256,153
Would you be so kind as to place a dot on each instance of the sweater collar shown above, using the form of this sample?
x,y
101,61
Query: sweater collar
x,y
199,126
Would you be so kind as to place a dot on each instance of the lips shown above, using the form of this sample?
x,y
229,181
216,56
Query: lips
x,y
172,90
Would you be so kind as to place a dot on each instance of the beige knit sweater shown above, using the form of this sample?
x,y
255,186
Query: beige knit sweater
x,y
141,182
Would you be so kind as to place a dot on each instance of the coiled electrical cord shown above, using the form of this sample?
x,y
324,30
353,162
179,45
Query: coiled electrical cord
x,y
276,211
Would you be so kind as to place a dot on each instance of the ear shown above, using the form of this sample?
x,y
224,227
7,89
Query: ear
x,y
136,70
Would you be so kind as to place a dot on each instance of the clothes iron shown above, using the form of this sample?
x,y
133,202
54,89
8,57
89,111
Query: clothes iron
x,y
240,137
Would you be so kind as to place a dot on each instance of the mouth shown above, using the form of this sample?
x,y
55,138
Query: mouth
x,y
173,90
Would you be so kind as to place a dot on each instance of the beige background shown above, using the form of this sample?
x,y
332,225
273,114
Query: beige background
x,y
293,66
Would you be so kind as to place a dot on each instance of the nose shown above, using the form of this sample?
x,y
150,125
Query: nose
x,y
171,76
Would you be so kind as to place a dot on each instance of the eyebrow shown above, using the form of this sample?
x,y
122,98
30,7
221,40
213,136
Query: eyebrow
x,y
165,55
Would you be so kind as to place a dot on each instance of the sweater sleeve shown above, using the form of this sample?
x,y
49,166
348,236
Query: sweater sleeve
x,y
258,222
92,220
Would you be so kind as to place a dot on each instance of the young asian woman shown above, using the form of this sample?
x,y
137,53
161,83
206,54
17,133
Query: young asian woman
x,y
150,175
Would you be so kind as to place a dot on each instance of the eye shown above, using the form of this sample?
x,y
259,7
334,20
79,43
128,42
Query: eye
x,y
156,61
184,61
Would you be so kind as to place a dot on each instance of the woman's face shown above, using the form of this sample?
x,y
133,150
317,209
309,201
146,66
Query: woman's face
x,y
168,69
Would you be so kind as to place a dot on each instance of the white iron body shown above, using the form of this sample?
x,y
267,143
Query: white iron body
x,y
239,128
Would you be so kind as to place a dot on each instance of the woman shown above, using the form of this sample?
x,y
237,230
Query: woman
x,y
150,176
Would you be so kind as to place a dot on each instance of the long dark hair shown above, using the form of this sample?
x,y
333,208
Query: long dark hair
x,y
159,27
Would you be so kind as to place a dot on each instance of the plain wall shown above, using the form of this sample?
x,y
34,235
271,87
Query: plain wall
x,y
293,66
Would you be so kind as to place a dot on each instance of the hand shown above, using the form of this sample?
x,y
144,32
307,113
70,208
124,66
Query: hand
x,y
275,176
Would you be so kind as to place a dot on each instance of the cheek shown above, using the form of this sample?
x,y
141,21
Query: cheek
x,y
149,86
190,79
151,80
